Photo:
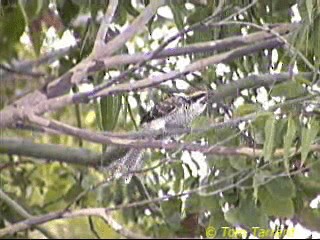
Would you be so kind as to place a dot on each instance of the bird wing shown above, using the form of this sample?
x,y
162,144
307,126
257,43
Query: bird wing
x,y
161,109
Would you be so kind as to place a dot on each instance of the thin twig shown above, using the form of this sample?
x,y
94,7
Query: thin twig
x,y
21,72
99,43
92,228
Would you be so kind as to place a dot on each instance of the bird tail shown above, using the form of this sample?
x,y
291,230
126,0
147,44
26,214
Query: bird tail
x,y
130,162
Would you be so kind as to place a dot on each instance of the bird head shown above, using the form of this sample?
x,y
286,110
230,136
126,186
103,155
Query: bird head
x,y
197,101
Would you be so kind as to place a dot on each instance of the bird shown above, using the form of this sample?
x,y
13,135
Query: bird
x,y
175,112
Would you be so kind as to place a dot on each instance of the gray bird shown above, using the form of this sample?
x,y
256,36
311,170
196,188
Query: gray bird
x,y
173,113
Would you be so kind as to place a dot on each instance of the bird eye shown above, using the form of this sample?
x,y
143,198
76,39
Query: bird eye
x,y
186,107
181,99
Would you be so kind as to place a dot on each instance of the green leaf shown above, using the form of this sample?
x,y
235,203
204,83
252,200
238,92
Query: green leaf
x,y
239,163
274,206
200,13
172,212
130,9
288,139
270,129
281,188
33,8
121,13
259,179
177,8
199,122
67,10
308,136
37,36
110,108
309,5
247,214
310,185
245,109
310,218
10,35
36,198
179,176
196,203
288,90
315,37
257,127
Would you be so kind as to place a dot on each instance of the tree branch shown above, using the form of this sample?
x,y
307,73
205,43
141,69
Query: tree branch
x,y
56,103
99,43
210,46
55,152
23,213
81,156
195,66
103,212
98,212
242,176
147,143
40,102
25,67
26,147
136,27
78,72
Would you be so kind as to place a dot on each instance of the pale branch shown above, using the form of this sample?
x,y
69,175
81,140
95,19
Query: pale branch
x,y
233,122
82,156
195,66
231,89
97,212
55,152
153,144
100,43
26,67
223,91
77,73
206,47
27,148
152,55
121,230
23,213
34,129
13,71
255,81
203,47
136,27
56,103
41,104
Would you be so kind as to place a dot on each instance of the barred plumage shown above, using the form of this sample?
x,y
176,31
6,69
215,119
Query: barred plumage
x,y
174,112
